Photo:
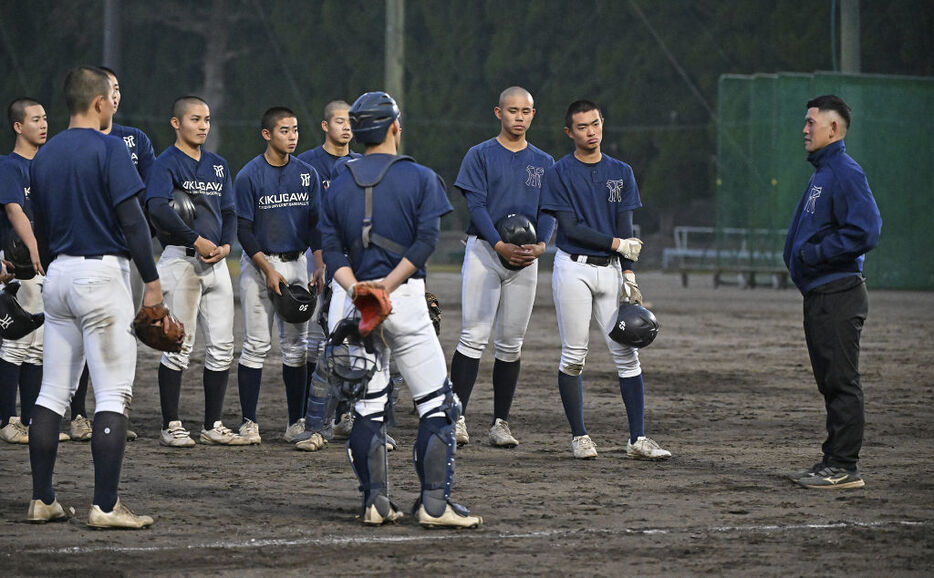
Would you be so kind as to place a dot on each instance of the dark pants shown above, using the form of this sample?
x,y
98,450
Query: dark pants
x,y
833,320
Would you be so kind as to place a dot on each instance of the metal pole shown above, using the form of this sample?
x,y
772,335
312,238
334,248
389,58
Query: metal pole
x,y
395,50
112,34
849,36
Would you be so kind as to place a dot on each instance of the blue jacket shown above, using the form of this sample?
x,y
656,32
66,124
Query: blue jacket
x,y
836,222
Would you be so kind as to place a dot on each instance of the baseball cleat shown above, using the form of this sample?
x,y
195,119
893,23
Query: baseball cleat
x,y
500,435
80,429
646,449
131,435
40,512
795,476
249,430
830,477
119,517
342,428
63,437
222,436
314,443
176,436
454,516
294,430
373,517
583,447
15,432
460,432
390,443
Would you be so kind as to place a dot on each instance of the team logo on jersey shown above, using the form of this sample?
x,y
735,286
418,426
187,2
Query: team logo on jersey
x,y
204,187
616,190
306,179
535,176
325,183
6,321
219,171
134,158
130,141
813,195
283,200
26,191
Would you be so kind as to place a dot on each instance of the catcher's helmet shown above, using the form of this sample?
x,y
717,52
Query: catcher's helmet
x,y
517,229
295,305
15,322
371,115
635,326
351,359
16,252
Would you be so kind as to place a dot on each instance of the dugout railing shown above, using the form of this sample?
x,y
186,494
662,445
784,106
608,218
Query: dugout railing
x,y
733,255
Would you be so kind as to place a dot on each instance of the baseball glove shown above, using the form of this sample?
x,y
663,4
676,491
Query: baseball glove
x,y
372,301
165,336
434,311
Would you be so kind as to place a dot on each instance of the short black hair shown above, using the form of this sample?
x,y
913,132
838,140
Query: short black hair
x,y
579,106
16,112
107,70
272,116
82,85
182,103
834,103
334,106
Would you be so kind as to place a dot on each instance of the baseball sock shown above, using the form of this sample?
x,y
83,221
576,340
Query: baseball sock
x,y
248,382
633,392
108,441
505,378
295,380
9,378
43,449
215,387
170,388
463,375
571,388
309,371
81,394
30,380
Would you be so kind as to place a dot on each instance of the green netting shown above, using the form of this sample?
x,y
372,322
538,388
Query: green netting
x,y
763,170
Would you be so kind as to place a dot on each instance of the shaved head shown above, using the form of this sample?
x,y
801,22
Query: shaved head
x,y
515,91
181,104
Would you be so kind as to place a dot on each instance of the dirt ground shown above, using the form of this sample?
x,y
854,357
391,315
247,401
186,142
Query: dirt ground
x,y
729,392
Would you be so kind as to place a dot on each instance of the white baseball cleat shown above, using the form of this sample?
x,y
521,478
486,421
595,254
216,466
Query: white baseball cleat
x,y
14,432
646,449
119,517
460,432
373,517
343,427
176,436
63,437
294,430
583,447
452,517
249,430
40,512
314,443
500,435
222,436
80,429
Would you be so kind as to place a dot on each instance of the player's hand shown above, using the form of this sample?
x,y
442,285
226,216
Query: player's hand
x,y
628,248
273,278
5,276
630,289
514,254
205,248
152,293
317,280
220,252
36,262
536,250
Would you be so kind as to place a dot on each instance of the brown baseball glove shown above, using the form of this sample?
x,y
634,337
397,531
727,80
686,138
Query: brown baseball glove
x,y
434,310
372,301
157,328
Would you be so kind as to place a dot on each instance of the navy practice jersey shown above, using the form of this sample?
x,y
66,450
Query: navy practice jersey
x,y
207,182
409,196
324,162
77,180
139,146
595,193
503,181
282,203
14,188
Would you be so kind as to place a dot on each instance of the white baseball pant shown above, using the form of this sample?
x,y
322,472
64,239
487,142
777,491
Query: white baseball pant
x,y
26,349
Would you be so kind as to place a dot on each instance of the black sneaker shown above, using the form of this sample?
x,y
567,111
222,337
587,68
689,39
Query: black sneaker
x,y
831,477
795,476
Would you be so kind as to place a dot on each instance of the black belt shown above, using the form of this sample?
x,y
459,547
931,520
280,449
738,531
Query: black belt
x,y
594,260
190,252
95,257
287,256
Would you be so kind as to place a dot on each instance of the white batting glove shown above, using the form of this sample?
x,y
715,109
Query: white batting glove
x,y
630,248
630,291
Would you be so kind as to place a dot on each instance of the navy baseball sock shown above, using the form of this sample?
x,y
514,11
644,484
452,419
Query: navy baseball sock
x,y
463,375
296,381
30,380
81,394
170,388
505,379
215,387
9,379
571,388
248,383
43,449
108,441
633,391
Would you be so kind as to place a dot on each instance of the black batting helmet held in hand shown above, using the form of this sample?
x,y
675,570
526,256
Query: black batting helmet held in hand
x,y
183,206
635,326
16,322
518,230
295,305
371,115
16,252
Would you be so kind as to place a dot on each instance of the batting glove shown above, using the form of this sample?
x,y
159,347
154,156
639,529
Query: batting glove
x,y
630,289
629,248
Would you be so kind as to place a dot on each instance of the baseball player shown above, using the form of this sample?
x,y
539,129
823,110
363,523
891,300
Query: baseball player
x,y
84,189
197,282
499,177
141,152
277,197
592,196
380,221
21,359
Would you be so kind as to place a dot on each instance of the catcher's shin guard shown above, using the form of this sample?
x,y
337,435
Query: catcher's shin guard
x,y
321,402
366,450
434,449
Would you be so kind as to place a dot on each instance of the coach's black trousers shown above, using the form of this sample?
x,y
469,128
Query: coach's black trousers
x,y
833,321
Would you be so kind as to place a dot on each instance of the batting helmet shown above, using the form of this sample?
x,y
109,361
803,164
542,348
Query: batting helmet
x,y
295,305
517,229
16,252
635,326
351,359
371,115
15,322
183,206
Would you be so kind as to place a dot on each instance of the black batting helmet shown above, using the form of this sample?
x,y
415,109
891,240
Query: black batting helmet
x,y
517,229
183,206
635,326
371,115
16,252
16,322
295,305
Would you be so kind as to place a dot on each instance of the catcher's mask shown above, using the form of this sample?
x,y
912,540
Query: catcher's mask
x,y
351,359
